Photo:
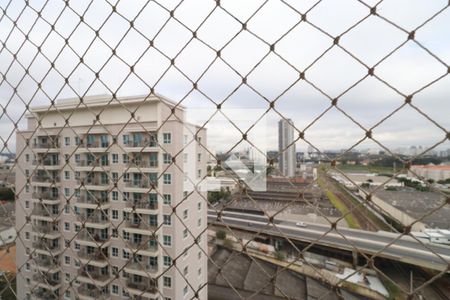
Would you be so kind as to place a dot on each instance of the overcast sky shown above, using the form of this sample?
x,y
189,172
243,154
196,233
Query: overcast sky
x,y
299,44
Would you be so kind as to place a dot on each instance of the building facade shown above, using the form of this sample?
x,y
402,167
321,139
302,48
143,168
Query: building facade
x,y
287,159
107,201
433,172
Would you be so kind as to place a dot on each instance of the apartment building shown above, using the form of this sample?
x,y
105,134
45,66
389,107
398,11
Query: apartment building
x,y
107,201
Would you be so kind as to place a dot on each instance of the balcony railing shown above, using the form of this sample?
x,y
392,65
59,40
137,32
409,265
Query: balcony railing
x,y
41,211
92,199
91,163
142,204
147,286
142,266
140,225
95,255
49,280
43,294
94,144
143,164
46,229
41,245
93,293
143,184
46,262
92,237
94,218
143,143
93,181
45,162
94,274
46,179
46,145
142,245
45,195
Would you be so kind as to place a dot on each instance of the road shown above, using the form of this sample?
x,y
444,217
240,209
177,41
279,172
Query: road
x,y
405,249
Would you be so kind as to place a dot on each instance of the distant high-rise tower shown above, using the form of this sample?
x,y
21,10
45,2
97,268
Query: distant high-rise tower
x,y
286,146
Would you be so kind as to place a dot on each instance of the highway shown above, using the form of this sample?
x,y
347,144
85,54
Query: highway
x,y
406,249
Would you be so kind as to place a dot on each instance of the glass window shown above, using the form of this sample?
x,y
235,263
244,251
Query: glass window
x,y
167,199
167,138
67,141
167,220
126,139
167,261
167,281
167,158
167,178
115,289
167,240
115,158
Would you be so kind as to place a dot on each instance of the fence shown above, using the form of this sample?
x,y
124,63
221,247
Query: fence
x,y
138,220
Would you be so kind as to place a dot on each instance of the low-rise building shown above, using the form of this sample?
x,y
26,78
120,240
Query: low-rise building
x,y
436,173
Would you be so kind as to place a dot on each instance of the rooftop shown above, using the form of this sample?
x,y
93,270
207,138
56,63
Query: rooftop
x,y
433,167
101,100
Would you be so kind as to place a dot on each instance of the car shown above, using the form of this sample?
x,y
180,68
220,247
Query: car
x,y
300,224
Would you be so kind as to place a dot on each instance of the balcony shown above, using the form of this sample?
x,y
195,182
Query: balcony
x,y
92,199
141,184
45,179
92,237
46,263
142,267
92,293
91,164
46,229
141,144
142,245
46,279
95,255
46,163
46,246
46,145
45,212
97,182
97,218
96,144
140,225
146,285
142,164
93,275
140,204
43,294
45,196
